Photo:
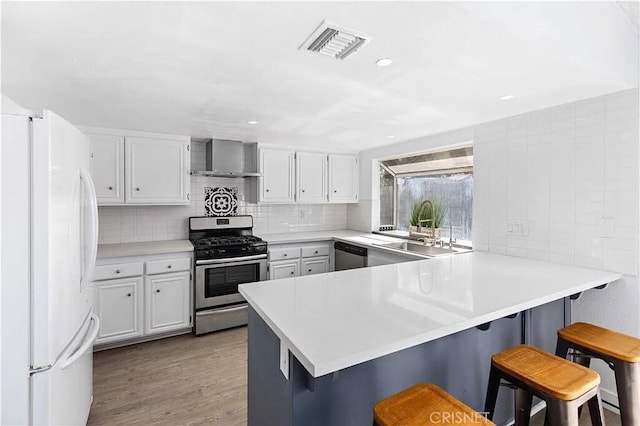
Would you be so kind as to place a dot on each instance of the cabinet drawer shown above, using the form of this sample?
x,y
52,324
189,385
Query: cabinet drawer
x,y
169,265
313,251
284,253
117,270
314,265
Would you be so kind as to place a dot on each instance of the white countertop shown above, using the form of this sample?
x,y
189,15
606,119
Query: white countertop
x,y
336,320
143,248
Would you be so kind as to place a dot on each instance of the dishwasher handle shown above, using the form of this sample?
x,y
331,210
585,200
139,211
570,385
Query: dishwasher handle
x,y
357,250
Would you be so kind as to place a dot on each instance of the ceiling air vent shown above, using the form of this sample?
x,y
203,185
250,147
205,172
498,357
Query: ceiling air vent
x,y
331,40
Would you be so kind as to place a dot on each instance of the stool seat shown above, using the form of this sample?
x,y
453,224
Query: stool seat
x,y
425,404
548,373
616,345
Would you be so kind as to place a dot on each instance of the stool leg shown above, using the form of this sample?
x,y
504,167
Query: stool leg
x,y
492,392
524,400
585,361
628,385
595,410
562,413
562,348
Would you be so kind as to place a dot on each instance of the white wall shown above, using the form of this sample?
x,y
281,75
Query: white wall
x,y
122,224
570,173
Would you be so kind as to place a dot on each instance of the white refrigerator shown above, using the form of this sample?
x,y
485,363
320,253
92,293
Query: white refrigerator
x,y
49,242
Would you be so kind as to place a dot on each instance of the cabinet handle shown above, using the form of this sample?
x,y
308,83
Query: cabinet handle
x,y
335,190
284,255
309,270
158,291
168,266
117,271
291,272
110,188
137,189
303,190
316,252
266,190
128,294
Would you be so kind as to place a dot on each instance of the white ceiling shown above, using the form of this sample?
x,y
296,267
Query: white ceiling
x,y
206,68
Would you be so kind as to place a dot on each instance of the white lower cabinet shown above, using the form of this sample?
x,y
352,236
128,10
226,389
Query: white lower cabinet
x,y
118,304
167,302
284,269
314,265
137,299
292,260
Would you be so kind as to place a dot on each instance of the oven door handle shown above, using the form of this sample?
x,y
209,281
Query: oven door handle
x,y
230,261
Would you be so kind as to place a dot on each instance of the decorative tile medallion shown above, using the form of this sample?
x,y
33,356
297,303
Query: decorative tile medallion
x,y
220,201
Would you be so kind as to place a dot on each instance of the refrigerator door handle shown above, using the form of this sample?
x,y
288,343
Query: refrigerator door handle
x,y
86,345
92,242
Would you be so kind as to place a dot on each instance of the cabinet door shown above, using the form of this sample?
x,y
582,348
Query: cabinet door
x,y
311,177
343,178
107,167
157,171
167,302
118,304
283,269
314,265
277,181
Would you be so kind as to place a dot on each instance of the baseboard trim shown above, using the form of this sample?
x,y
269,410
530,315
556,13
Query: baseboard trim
x,y
128,342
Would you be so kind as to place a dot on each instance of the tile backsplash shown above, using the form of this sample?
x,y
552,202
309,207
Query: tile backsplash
x,y
570,175
123,224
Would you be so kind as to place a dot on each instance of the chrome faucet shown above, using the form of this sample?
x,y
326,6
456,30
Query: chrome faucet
x,y
433,220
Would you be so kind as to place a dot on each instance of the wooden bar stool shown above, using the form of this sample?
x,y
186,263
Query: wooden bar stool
x,y
564,385
620,351
425,404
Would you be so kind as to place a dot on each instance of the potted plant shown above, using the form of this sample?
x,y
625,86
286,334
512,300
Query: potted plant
x,y
422,216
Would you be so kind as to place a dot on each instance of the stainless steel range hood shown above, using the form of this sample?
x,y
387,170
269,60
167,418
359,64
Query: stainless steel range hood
x,y
227,158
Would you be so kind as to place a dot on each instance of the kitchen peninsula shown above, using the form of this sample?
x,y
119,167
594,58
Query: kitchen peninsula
x,y
324,348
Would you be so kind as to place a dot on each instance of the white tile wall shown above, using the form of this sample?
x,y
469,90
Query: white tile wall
x,y
121,224
567,172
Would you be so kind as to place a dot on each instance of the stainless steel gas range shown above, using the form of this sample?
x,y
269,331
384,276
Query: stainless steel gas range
x,y
226,254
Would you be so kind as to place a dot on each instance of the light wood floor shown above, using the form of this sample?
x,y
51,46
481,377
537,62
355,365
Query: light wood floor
x,y
183,380
186,380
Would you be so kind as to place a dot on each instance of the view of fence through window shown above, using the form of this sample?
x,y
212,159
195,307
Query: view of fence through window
x,y
445,177
454,191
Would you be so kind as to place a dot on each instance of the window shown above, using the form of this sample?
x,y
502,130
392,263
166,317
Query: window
x,y
445,176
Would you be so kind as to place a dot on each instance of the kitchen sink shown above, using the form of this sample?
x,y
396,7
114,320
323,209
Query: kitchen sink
x,y
421,249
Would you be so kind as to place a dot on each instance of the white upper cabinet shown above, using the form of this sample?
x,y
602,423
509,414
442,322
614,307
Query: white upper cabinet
x,y
311,177
277,181
343,178
156,171
307,177
130,167
107,167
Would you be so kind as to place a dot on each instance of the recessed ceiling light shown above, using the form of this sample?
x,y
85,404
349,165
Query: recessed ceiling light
x,y
384,62
390,136
252,122
507,97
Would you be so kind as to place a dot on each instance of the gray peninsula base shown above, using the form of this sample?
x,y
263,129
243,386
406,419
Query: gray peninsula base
x,y
459,363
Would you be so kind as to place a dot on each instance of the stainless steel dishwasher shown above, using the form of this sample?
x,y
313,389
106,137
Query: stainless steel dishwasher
x,y
349,256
